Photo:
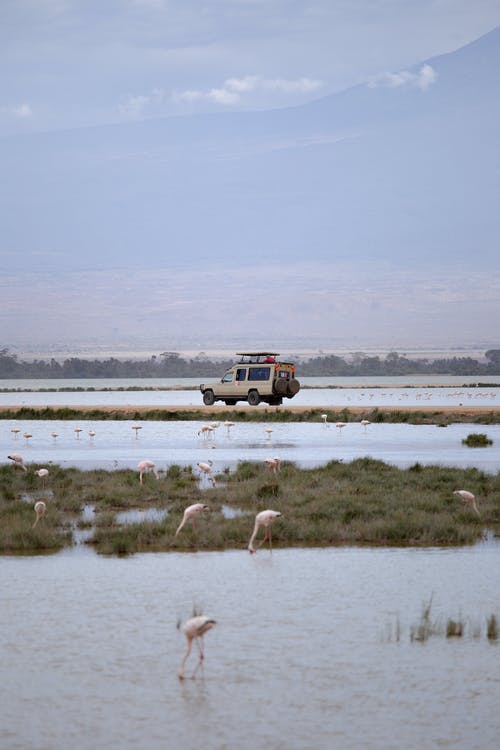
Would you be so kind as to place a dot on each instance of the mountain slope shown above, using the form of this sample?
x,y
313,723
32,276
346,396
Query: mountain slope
x,y
379,173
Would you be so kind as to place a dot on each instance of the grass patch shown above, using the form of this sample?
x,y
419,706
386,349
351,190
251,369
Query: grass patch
x,y
477,440
362,502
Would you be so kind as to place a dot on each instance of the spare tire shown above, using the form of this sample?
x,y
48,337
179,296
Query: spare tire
x,y
293,387
280,386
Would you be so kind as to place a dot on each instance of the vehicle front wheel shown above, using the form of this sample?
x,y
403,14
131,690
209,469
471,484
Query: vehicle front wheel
x,y
253,398
208,398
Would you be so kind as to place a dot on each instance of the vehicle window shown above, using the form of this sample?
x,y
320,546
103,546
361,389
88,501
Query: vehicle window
x,y
241,373
228,377
259,373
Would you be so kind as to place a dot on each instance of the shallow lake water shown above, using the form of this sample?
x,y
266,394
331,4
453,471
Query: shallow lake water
x,y
306,652
329,392
308,444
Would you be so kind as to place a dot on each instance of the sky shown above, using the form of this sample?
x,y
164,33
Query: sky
x,y
72,64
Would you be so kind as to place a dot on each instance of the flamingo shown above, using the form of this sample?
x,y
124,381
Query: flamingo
x,y
340,425
365,423
206,431
54,435
27,435
191,513
206,470
228,424
18,461
145,466
136,427
15,431
43,474
91,435
40,510
264,518
269,431
194,630
467,497
324,417
273,464
77,431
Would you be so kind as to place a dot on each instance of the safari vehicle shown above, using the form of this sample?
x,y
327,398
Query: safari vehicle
x,y
256,377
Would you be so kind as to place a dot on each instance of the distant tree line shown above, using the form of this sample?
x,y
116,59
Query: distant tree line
x,y
171,365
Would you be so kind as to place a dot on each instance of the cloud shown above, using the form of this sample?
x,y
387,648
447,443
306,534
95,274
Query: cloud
x,y
136,106
234,90
18,111
425,77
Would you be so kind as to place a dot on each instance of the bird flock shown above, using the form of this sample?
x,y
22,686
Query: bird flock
x,y
198,625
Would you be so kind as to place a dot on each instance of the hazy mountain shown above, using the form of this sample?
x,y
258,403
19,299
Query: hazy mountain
x,y
403,170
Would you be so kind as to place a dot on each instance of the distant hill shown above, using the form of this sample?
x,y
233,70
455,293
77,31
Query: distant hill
x,y
404,174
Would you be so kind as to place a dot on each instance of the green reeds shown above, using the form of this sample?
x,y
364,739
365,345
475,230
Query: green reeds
x,y
269,415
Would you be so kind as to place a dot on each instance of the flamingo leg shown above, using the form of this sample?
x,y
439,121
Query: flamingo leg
x,y
199,643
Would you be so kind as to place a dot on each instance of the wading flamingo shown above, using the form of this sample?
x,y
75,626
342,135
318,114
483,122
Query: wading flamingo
x,y
40,510
365,423
18,461
136,427
466,498
145,466
340,425
191,513
194,630
273,464
206,431
15,431
264,518
206,470
324,417
77,431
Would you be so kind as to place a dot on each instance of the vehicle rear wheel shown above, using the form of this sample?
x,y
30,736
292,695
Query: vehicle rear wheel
x,y
293,387
280,386
253,398
208,398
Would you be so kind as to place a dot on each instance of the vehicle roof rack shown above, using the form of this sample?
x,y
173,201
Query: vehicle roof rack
x,y
258,354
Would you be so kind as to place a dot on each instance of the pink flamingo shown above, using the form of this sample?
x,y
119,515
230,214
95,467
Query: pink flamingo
x,y
145,466
40,510
191,513
273,464
18,461
194,630
206,470
264,518
467,497
43,474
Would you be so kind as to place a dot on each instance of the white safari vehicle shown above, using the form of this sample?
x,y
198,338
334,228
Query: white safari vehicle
x,y
256,377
